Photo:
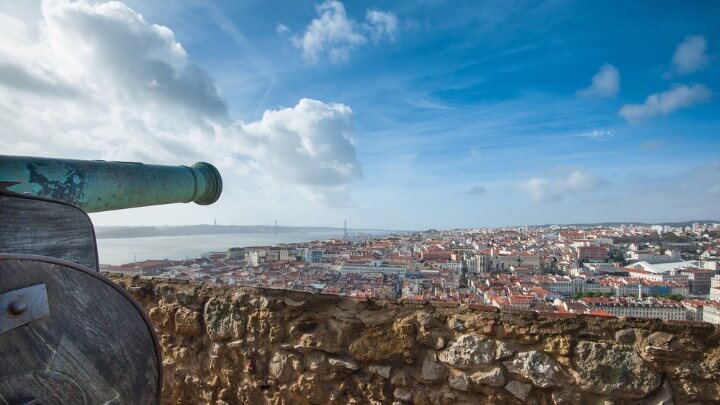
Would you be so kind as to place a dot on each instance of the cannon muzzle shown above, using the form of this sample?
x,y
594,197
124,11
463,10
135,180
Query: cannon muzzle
x,y
98,185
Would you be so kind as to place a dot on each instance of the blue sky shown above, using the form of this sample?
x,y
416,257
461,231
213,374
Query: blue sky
x,y
457,114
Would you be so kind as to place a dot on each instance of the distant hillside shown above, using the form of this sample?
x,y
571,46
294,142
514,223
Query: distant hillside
x,y
184,230
107,232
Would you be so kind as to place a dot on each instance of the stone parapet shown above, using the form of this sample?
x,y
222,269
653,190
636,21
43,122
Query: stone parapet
x,y
251,346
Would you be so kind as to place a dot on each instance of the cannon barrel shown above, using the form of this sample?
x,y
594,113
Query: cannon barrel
x,y
98,185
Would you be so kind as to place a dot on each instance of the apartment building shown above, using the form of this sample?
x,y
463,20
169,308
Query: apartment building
x,y
711,313
638,309
594,253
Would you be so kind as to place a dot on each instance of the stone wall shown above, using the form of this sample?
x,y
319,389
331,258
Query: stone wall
x,y
254,346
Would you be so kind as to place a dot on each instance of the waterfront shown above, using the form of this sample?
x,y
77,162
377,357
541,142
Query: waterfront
x,y
124,250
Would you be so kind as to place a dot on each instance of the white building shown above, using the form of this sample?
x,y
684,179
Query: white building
x,y
693,310
564,286
715,294
599,288
665,269
711,313
370,268
602,241
601,267
653,258
502,260
457,266
640,309
709,264
256,256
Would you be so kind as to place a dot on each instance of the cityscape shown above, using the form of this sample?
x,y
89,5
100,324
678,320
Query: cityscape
x,y
316,202
659,271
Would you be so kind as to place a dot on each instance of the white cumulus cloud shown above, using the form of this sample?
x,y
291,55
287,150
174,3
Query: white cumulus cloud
x,y
96,80
605,83
559,185
334,35
666,102
690,56
310,143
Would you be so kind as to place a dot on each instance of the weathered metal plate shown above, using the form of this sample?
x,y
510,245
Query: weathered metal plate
x,y
33,225
96,347
23,306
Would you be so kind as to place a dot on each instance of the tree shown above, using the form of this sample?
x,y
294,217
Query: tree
x,y
618,256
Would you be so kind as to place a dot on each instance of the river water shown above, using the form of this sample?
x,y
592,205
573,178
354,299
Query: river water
x,y
125,250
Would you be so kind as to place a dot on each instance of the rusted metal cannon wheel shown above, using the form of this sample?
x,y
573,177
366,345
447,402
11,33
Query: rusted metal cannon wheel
x,y
68,335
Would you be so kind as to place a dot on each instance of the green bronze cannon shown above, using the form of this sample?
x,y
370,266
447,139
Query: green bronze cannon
x,y
97,185
68,335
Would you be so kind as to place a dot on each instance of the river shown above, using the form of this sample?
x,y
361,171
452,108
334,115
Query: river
x,y
125,250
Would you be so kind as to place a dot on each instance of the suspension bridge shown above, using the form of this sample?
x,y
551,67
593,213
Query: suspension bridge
x,y
350,230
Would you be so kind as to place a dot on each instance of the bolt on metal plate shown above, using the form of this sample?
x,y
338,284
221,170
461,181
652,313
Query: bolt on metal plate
x,y
22,306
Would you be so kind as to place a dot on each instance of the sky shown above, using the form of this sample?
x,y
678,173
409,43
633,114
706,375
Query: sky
x,y
401,115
